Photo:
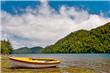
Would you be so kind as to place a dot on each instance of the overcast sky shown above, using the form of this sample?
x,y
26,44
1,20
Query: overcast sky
x,y
41,23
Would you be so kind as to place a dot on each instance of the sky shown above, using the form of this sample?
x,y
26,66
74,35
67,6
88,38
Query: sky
x,y
42,23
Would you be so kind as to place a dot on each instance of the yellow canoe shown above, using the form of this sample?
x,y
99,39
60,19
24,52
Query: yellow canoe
x,y
33,62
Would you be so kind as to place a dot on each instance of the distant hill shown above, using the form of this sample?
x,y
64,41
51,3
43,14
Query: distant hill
x,y
94,41
26,50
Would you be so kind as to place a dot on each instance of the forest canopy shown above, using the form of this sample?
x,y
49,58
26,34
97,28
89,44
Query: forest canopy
x,y
94,41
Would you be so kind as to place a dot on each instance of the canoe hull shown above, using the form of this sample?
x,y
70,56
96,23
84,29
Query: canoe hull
x,y
22,64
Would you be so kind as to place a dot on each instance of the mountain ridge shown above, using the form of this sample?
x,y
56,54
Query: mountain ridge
x,y
96,40
26,50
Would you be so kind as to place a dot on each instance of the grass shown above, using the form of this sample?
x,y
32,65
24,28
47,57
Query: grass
x,y
6,68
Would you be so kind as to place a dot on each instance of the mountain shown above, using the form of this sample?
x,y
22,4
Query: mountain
x,y
94,41
26,50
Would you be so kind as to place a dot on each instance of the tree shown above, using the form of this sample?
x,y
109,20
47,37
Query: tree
x,y
6,47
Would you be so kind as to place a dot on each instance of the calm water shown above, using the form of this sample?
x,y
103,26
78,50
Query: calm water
x,y
99,62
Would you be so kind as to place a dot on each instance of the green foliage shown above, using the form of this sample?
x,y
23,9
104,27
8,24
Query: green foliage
x,y
26,50
6,47
83,41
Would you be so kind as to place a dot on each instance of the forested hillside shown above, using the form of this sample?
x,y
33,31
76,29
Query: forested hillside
x,y
26,50
94,41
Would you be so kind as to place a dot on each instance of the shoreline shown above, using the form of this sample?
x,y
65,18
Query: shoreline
x,y
6,68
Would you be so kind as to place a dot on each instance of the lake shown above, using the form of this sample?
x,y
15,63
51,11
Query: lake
x,y
97,62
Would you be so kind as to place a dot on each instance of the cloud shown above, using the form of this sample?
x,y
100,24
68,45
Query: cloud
x,y
44,26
